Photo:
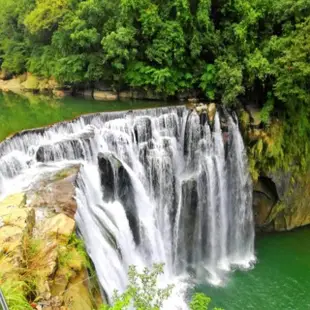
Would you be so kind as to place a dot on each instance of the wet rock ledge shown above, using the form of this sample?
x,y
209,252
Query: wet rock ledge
x,y
41,257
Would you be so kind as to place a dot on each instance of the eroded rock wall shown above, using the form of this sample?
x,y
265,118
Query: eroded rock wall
x,y
39,247
281,196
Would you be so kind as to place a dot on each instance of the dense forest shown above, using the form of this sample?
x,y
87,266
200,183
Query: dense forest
x,y
230,51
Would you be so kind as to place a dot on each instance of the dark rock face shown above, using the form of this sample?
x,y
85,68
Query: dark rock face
x,y
143,129
70,149
193,133
106,177
125,193
117,185
189,201
281,202
265,197
56,193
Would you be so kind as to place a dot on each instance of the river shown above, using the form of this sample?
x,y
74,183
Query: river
x,y
280,279
30,111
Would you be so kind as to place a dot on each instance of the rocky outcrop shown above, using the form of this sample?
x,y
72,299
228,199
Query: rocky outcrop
x,y
117,185
209,110
39,248
265,198
16,221
13,85
104,95
30,83
281,202
293,209
281,199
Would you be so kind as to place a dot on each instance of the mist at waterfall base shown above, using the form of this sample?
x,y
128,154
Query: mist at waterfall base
x,y
155,186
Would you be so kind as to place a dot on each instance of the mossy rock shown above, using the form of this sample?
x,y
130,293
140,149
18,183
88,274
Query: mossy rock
x,y
292,209
15,200
32,83
77,296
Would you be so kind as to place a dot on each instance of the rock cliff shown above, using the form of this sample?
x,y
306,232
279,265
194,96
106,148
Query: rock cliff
x,y
40,251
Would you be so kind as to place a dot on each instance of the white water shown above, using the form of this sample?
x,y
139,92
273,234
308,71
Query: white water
x,y
170,189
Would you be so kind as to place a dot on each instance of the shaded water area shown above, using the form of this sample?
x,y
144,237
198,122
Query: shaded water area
x,y
280,279
19,112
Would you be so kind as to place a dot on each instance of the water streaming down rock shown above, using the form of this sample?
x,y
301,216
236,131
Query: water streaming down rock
x,y
160,185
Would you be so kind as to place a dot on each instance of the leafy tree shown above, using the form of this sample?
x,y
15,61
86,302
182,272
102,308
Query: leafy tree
x,y
201,302
46,15
143,293
235,52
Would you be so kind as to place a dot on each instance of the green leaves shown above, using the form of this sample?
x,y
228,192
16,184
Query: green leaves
x,y
265,113
46,15
143,292
168,47
208,81
199,302
229,79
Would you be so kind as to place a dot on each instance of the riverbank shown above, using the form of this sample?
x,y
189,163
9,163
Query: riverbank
x,y
28,83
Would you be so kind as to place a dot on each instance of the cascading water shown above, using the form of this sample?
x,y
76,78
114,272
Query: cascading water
x,y
160,185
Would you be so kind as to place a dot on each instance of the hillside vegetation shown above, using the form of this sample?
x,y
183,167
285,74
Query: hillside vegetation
x,y
233,52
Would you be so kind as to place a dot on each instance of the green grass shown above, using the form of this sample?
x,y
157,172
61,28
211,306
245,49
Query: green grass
x,y
14,293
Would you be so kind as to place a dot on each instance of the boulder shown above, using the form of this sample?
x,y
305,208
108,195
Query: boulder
x,y
13,85
16,221
55,194
189,201
105,95
88,94
211,111
201,108
61,93
59,225
193,100
32,83
146,95
125,94
17,200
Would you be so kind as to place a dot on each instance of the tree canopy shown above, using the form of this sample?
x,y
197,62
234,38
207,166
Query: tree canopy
x,y
233,52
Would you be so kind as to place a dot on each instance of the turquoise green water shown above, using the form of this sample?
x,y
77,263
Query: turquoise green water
x,y
279,281
25,112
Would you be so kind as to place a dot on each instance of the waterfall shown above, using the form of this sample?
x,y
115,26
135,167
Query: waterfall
x,y
159,185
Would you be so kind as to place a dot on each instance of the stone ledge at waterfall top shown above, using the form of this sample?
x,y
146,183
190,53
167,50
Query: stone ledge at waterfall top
x,y
36,229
